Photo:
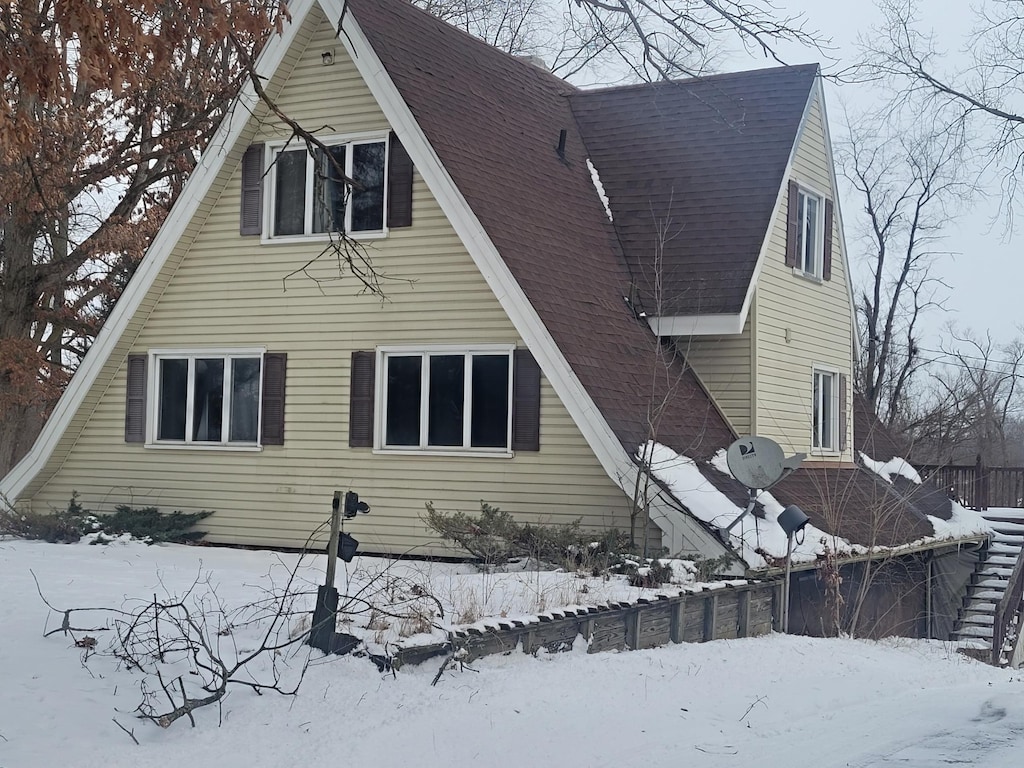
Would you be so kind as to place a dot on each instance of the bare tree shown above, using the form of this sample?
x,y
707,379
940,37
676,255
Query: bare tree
x,y
982,97
910,184
653,39
975,405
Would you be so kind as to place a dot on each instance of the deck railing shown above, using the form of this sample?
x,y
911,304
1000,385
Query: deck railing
x,y
977,486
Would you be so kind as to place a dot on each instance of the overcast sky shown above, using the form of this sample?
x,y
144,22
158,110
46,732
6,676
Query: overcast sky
x,y
987,272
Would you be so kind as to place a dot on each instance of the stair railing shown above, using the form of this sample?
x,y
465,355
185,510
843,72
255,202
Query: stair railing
x,y
1007,609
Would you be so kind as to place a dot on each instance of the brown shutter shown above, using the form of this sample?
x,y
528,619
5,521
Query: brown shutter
x,y
399,184
251,220
826,269
135,400
360,400
842,412
525,402
792,224
275,365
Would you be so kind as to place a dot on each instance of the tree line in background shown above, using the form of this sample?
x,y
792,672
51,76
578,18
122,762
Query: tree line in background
x,y
952,128
107,105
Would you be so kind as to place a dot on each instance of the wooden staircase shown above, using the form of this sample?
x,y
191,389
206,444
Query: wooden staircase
x,y
991,606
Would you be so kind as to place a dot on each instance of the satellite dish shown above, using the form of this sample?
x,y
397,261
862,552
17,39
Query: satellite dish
x,y
757,462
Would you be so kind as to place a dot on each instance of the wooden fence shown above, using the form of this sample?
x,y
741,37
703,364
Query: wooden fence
x,y
731,611
977,486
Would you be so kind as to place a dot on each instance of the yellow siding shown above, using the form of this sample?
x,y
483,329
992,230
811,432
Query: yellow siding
x,y
723,364
223,290
801,323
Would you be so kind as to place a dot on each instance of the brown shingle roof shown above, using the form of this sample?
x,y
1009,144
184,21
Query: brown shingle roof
x,y
692,170
494,122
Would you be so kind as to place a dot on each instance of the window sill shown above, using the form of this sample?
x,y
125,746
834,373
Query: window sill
x,y
797,272
461,453
205,447
321,238
825,453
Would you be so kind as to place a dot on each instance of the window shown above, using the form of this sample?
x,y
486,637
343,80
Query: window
x,y
206,398
809,233
825,411
446,399
308,193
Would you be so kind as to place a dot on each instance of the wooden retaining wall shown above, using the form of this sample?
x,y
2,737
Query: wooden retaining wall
x,y
718,613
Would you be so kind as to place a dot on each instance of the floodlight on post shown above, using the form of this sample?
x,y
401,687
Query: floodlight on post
x,y
340,544
792,520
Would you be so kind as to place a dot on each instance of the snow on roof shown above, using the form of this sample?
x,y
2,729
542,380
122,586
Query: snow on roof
x,y
894,466
596,178
760,541
963,522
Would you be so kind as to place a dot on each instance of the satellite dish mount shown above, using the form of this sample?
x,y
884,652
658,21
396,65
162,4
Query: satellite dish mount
x,y
758,463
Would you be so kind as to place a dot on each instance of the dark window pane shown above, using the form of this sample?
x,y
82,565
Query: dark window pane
x,y
447,400
245,399
173,391
329,190
490,401
368,199
826,411
208,403
403,406
290,193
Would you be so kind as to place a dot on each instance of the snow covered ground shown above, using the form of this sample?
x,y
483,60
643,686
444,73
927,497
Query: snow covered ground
x,y
772,701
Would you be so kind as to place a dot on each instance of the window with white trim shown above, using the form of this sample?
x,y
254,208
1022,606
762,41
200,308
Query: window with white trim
x,y
308,195
446,399
825,426
206,398
810,233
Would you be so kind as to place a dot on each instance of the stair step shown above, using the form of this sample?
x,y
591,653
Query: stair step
x,y
986,594
998,570
1001,560
990,581
1002,548
980,606
975,631
1015,528
977,619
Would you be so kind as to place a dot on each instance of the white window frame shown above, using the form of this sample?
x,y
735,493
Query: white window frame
x,y
271,150
816,272
191,354
833,410
426,350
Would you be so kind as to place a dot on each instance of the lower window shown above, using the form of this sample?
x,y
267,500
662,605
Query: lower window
x,y
824,411
447,399
208,398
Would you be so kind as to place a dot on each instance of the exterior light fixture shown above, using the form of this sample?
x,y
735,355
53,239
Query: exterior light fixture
x,y
327,57
792,520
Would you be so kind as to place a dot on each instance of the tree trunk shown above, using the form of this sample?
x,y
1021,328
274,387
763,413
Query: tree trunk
x,y
19,427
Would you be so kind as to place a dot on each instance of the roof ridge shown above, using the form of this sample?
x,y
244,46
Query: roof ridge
x,y
699,79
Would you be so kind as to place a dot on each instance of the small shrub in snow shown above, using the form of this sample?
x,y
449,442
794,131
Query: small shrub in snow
x,y
494,537
69,525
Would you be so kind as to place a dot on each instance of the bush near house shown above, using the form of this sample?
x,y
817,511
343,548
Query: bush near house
x,y
68,526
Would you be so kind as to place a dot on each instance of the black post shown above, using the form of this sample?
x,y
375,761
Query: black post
x,y
321,635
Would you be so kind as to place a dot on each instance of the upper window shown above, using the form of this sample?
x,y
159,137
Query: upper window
x,y
446,399
309,196
810,233
825,411
207,399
